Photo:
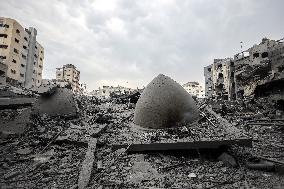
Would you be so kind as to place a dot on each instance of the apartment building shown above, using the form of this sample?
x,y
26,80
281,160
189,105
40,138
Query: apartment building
x,y
20,51
195,89
68,73
107,91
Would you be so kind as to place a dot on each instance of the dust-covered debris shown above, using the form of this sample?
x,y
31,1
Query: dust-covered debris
x,y
51,151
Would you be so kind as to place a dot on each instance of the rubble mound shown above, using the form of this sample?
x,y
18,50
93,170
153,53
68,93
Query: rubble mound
x,y
164,104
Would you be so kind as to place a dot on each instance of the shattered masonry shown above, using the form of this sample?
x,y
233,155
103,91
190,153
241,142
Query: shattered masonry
x,y
257,71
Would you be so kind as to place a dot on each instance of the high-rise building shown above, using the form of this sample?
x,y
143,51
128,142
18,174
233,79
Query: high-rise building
x,y
69,73
20,51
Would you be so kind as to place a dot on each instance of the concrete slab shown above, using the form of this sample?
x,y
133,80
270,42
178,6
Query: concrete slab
x,y
15,103
201,145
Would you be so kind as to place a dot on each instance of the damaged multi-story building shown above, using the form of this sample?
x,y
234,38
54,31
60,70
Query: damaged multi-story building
x,y
257,71
21,52
68,74
218,79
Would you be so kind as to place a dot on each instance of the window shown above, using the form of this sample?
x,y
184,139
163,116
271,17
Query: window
x,y
40,58
25,47
264,55
219,65
16,40
23,65
25,38
4,25
41,52
14,61
39,73
3,35
22,75
24,56
58,74
40,66
255,55
209,69
17,31
4,46
35,55
35,47
13,71
3,57
68,75
16,51
34,71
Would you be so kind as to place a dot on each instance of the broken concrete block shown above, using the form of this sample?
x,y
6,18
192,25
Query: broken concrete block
x,y
16,125
61,103
259,164
45,90
228,160
24,151
87,165
164,103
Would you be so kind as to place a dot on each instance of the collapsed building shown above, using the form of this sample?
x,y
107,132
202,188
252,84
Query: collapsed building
x,y
218,79
257,71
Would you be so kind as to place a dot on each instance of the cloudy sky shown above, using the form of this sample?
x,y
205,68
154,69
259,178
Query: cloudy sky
x,y
128,42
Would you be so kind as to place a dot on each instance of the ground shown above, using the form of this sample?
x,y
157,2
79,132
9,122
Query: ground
x,y
31,160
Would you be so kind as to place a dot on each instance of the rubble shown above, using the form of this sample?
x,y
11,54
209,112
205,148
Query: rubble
x,y
51,151
14,121
87,165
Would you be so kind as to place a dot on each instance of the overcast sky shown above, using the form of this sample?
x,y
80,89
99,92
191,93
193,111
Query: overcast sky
x,y
129,42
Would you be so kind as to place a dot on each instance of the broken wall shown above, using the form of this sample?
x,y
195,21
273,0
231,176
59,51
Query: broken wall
x,y
3,73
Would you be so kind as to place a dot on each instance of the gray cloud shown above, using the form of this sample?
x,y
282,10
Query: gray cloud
x,y
129,42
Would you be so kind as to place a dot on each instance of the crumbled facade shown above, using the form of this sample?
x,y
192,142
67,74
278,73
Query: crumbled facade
x,y
219,79
257,71
195,89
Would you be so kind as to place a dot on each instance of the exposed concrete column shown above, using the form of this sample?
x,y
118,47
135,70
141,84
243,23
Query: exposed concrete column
x,y
30,58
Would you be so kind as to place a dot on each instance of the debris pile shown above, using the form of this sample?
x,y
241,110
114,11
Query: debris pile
x,y
98,148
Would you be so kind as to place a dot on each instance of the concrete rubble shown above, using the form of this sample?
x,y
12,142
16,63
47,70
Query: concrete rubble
x,y
89,145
